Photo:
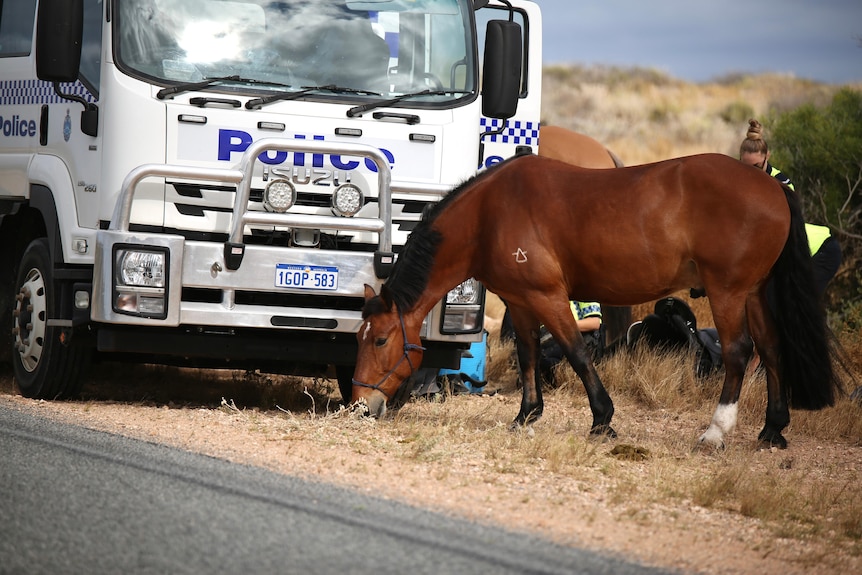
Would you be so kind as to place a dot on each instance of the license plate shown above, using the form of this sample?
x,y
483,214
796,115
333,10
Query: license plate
x,y
306,277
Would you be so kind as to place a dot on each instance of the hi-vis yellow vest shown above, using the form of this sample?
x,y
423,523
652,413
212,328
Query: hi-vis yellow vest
x,y
816,236
775,172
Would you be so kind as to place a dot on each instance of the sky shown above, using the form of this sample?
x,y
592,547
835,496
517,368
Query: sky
x,y
700,40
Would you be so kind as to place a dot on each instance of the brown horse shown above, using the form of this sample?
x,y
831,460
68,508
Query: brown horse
x,y
575,148
541,232
581,150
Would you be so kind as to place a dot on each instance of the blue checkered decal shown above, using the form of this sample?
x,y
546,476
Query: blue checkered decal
x,y
517,132
23,92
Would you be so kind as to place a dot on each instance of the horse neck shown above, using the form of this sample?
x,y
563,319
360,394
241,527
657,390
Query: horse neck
x,y
452,263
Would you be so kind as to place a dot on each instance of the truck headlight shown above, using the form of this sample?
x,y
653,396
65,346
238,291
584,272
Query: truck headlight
x,y
468,292
462,310
142,268
347,200
140,281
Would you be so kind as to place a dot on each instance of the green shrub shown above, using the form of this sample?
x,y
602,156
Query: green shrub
x,y
737,113
820,148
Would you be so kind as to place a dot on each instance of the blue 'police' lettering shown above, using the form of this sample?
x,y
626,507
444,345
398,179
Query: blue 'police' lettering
x,y
340,164
238,141
278,157
493,160
16,126
230,141
369,163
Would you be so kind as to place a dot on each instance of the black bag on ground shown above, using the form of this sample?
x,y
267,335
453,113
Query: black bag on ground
x,y
709,354
672,325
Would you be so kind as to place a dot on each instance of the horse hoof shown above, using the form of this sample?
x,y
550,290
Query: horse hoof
x,y
707,446
522,427
712,440
770,439
529,419
603,431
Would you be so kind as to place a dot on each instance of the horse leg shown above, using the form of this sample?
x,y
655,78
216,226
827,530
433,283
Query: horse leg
x,y
736,347
765,337
616,321
527,346
565,331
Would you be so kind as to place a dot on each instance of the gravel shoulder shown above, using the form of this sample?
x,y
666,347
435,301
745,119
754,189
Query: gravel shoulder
x,y
480,480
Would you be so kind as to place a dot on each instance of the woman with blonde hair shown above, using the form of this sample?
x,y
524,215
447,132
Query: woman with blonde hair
x,y
825,250
755,152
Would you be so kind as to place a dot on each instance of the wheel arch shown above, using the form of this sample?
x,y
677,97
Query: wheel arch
x,y
52,192
42,202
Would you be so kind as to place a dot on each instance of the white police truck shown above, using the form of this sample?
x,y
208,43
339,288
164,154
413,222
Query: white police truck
x,y
211,183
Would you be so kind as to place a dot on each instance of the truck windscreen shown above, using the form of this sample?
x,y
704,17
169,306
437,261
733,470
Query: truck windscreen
x,y
385,48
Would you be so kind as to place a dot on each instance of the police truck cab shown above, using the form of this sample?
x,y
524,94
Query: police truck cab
x,y
212,183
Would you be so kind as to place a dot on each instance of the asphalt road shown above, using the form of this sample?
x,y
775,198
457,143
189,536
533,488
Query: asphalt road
x,y
73,500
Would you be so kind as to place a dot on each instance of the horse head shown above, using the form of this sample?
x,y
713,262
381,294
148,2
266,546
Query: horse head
x,y
386,356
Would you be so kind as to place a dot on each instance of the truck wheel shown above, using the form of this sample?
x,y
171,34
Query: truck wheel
x,y
44,366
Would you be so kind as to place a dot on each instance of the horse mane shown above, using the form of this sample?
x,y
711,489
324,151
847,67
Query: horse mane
x,y
409,276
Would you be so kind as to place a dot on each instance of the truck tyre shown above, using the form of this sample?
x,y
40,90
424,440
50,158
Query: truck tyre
x,y
44,366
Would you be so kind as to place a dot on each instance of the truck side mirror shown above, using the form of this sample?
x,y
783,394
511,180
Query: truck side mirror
x,y
59,34
501,80
59,37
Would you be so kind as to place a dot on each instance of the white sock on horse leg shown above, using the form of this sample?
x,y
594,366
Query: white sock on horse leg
x,y
723,422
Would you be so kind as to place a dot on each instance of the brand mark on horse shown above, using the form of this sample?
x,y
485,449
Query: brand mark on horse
x,y
520,256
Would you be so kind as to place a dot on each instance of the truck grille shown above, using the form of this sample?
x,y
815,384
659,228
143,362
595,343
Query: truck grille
x,y
202,202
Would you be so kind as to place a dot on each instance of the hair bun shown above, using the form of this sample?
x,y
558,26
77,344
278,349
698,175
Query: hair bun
x,y
755,130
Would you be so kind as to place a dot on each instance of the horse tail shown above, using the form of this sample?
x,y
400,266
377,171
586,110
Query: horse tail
x,y
805,342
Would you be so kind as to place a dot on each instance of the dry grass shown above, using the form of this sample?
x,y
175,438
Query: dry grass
x,y
795,499
661,409
808,498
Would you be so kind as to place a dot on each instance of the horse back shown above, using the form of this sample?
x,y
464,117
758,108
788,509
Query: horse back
x,y
645,231
679,194
573,148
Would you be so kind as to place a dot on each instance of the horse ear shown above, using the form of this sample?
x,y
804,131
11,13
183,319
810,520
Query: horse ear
x,y
369,292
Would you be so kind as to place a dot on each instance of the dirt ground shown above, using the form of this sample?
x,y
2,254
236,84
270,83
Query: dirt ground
x,y
481,484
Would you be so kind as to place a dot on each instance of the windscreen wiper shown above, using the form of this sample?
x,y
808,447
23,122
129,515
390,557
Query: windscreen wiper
x,y
207,82
359,110
257,103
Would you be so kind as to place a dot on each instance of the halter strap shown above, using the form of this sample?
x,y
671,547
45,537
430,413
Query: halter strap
x,y
408,347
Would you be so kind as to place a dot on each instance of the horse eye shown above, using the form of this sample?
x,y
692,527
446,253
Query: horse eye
x,y
380,341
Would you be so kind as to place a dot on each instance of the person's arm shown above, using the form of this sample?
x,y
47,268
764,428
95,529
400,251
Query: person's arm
x,y
591,323
588,315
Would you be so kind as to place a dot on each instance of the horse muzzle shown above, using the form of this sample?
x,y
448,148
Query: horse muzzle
x,y
375,398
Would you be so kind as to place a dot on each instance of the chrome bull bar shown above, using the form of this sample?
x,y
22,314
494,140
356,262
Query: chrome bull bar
x,y
242,177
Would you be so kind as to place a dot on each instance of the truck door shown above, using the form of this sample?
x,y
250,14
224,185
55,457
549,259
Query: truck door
x,y
83,151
